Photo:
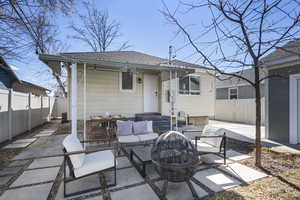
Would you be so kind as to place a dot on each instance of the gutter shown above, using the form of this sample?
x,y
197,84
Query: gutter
x,y
58,58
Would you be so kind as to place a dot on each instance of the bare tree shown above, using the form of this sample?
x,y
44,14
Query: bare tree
x,y
243,33
26,26
98,30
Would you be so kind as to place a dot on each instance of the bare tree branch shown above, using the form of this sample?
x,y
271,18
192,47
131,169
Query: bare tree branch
x,y
97,30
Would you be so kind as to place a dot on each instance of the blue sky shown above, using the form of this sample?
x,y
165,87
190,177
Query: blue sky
x,y
141,24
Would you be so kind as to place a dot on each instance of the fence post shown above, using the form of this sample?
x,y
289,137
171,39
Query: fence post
x,y
41,111
10,113
29,111
49,109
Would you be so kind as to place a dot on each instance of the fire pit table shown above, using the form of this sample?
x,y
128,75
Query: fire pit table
x,y
175,159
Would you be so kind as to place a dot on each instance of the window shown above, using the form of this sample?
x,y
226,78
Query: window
x,y
189,85
233,93
127,81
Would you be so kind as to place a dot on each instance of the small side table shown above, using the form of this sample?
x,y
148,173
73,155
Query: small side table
x,y
140,158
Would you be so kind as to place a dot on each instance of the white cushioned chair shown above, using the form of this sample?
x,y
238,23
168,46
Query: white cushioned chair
x,y
85,163
212,140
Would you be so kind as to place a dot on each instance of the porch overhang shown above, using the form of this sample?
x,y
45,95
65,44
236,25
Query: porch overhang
x,y
54,62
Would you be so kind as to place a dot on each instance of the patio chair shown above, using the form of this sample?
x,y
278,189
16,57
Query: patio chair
x,y
212,140
83,163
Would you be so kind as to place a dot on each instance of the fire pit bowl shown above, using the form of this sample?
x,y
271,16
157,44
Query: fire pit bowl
x,y
175,157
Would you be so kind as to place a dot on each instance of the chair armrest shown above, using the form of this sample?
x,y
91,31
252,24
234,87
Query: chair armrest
x,y
88,151
209,136
192,131
96,140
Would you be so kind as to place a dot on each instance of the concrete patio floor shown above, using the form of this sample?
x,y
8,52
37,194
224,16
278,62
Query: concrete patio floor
x,y
27,178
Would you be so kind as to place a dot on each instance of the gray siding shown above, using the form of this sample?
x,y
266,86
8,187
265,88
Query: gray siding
x,y
279,103
244,92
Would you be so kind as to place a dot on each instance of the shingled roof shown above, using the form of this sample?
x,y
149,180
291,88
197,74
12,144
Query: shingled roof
x,y
292,48
126,57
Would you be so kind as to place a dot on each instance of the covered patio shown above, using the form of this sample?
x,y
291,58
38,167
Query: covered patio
x,y
99,94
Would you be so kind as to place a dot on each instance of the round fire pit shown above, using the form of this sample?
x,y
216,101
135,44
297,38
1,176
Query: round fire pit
x,y
175,157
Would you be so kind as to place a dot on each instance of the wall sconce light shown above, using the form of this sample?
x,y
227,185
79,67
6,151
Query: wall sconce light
x,y
139,80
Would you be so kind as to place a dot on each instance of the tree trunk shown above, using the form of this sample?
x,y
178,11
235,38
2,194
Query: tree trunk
x,y
258,118
61,85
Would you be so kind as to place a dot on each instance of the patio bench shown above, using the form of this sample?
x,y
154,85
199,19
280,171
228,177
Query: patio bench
x,y
212,140
83,163
129,132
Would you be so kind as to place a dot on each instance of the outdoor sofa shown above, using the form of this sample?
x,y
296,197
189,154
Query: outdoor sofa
x,y
130,132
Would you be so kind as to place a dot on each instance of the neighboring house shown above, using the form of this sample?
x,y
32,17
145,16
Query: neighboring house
x,y
129,82
27,87
9,80
235,98
7,75
283,93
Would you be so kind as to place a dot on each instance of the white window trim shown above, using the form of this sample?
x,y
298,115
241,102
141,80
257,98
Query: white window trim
x,y
133,82
293,133
189,94
237,92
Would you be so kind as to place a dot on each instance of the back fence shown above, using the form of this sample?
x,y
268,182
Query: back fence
x,y
20,112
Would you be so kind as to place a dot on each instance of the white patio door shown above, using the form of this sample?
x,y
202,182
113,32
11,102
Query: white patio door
x,y
298,107
150,93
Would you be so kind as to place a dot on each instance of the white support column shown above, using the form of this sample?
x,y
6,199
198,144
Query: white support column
x,y
74,98
84,103
171,101
175,98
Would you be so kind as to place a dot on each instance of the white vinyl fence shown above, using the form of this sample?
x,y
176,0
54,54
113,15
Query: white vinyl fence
x,y
239,110
20,112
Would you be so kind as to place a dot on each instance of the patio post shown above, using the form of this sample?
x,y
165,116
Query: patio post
x,y
84,103
175,98
74,98
171,101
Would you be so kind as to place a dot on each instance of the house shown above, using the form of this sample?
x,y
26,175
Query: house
x,y
130,82
283,93
235,98
7,75
27,87
9,80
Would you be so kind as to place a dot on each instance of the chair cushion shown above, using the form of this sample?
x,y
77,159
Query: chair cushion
x,y
205,147
148,136
212,131
95,162
124,128
128,139
149,126
71,143
140,127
